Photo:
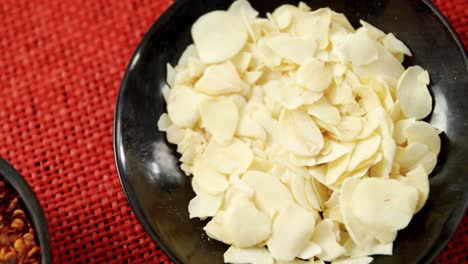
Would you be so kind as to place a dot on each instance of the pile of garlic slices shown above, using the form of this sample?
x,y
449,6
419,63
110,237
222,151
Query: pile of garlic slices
x,y
303,135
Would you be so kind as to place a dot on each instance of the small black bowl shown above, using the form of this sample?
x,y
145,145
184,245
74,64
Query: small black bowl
x,y
159,192
33,208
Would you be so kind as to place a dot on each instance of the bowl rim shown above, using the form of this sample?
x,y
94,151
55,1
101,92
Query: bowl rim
x,y
448,229
33,207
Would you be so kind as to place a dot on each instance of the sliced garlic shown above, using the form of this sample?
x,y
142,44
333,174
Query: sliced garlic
x,y
184,106
249,128
340,94
242,8
385,66
270,194
394,45
175,134
310,250
368,98
204,205
206,176
399,134
360,49
424,133
349,128
245,224
215,228
266,54
164,122
299,133
283,15
219,79
220,118
312,196
291,230
356,230
372,31
413,95
324,236
336,168
315,24
332,208
254,255
289,95
235,157
384,167
218,35
384,203
295,49
251,77
337,150
242,61
283,117
314,75
418,178
298,185
341,20
324,111
415,154
356,260
363,151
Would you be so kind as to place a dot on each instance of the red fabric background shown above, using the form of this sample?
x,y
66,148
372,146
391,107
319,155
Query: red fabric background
x,y
61,63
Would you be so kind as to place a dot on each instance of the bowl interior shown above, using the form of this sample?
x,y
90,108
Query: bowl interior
x,y
33,208
159,192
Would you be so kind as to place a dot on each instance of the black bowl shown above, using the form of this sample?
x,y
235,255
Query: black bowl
x,y
33,208
159,192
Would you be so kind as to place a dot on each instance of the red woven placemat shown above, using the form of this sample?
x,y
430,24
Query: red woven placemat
x,y
61,63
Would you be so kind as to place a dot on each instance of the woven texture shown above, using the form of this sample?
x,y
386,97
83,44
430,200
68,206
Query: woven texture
x,y
61,63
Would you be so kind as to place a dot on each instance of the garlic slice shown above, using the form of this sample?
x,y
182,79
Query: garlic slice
x,y
363,151
270,194
254,255
204,205
219,79
394,45
183,106
249,128
384,203
325,238
424,133
289,95
242,8
415,154
324,111
235,157
413,95
360,49
315,24
299,134
314,75
291,230
357,260
419,179
371,30
295,49
399,133
208,178
245,225
218,35
221,126
310,250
